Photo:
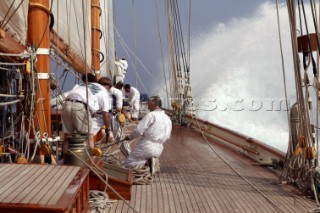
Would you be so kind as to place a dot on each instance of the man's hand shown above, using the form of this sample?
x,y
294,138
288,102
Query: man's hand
x,y
110,136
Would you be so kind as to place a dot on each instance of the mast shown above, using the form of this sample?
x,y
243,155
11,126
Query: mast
x,y
95,36
38,34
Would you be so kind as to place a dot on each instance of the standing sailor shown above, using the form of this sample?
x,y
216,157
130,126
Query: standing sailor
x,y
119,71
133,100
124,63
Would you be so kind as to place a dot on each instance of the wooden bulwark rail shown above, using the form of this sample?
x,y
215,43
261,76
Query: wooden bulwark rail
x,y
255,149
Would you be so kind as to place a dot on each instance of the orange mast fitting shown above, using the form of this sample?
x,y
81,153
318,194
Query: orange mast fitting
x,y
38,33
95,36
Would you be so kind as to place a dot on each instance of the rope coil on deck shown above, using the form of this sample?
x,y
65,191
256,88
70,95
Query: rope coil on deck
x,y
99,201
142,176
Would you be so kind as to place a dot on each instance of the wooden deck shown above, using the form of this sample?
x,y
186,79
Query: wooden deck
x,y
194,178
40,188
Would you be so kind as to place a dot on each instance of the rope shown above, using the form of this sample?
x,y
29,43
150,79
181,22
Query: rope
x,y
298,169
282,62
1,25
105,182
14,12
99,201
122,42
134,39
142,176
162,54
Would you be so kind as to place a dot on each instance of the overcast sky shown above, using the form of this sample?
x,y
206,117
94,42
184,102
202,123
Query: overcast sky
x,y
140,15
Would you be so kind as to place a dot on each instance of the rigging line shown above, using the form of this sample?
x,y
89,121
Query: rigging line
x,y
12,64
65,65
133,65
180,50
233,169
104,181
83,55
313,12
189,36
138,77
13,13
307,119
125,46
1,25
298,76
42,106
307,31
86,71
105,36
174,52
298,81
68,8
161,49
282,62
180,35
300,18
317,116
134,38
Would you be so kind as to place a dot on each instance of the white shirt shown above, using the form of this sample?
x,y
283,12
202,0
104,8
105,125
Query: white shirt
x,y
119,97
155,127
119,69
79,93
124,64
132,95
101,97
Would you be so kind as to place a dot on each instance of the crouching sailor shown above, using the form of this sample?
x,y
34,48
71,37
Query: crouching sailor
x,y
154,129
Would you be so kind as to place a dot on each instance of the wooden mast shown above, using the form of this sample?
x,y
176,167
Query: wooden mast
x,y
95,36
38,34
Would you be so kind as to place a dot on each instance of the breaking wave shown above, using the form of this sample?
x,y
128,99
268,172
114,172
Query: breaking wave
x,y
237,76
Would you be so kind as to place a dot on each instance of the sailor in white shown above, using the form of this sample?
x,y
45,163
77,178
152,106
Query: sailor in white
x,y
119,72
133,100
116,102
124,63
154,130
74,111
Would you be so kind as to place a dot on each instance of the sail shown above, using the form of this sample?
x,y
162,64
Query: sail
x,y
73,25
107,41
14,19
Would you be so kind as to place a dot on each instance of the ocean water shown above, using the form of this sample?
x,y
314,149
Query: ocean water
x,y
237,78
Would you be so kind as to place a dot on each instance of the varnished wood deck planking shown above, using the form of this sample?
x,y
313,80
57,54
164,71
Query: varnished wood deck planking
x,y
18,184
194,178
